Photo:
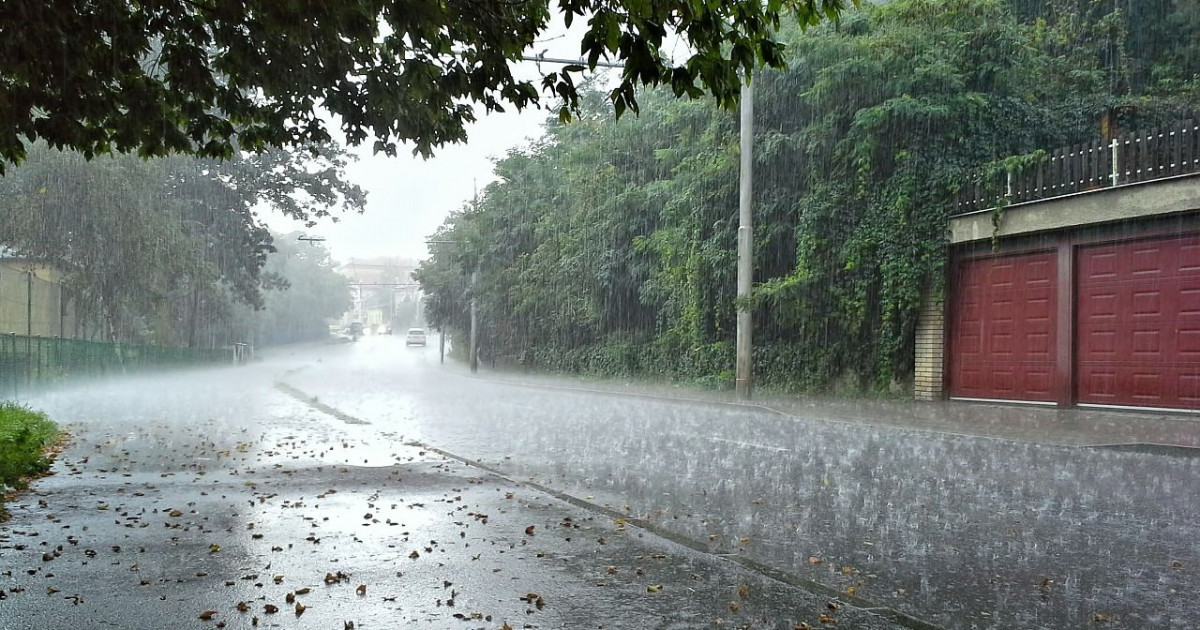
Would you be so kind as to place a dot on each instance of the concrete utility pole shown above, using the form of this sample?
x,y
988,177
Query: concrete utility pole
x,y
474,326
474,282
744,383
744,376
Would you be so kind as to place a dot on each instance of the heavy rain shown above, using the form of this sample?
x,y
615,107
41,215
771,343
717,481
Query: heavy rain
x,y
796,315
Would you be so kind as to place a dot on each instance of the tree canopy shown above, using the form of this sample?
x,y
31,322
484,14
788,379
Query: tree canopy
x,y
163,250
209,77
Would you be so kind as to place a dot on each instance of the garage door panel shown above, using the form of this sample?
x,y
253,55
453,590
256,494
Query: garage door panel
x,y
1189,257
1188,344
1002,342
1138,324
1189,389
1189,302
1146,344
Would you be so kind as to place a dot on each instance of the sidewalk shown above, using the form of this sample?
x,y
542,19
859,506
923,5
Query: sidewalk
x,y
1017,422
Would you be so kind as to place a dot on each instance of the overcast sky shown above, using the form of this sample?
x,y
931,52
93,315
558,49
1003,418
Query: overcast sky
x,y
409,197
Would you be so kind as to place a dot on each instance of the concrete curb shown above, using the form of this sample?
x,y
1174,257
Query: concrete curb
x,y
1149,448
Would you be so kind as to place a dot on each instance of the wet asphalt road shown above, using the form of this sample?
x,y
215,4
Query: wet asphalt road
x,y
959,531
962,531
220,499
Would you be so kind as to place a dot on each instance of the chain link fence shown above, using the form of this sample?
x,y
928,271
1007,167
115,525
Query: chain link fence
x,y
29,363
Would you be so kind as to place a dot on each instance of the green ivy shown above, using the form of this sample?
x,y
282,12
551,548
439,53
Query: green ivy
x,y
610,249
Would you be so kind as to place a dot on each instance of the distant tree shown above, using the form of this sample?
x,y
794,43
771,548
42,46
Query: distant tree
x,y
157,246
306,294
210,77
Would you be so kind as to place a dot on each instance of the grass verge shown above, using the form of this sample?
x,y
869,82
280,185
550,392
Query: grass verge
x,y
25,436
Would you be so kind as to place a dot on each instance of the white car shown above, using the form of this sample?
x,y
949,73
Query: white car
x,y
415,337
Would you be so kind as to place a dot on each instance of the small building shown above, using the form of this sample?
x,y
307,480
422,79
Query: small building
x,y
33,300
379,287
1083,290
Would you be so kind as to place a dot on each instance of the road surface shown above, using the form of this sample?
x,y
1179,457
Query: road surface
x,y
354,457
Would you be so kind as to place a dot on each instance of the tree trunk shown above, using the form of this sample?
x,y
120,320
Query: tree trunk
x,y
194,318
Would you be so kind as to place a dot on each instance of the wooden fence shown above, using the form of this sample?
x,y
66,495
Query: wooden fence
x,y
1140,156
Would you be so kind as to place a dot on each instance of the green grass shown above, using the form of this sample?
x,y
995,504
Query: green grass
x,y
24,436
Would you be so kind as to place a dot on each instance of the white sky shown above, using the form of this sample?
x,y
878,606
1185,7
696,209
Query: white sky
x,y
409,197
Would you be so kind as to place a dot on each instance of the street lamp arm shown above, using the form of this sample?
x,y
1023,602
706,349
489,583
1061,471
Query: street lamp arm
x,y
570,62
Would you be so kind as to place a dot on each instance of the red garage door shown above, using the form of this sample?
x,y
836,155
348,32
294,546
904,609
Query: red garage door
x,y
1138,324
1002,341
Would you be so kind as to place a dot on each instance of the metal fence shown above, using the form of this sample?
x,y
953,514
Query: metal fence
x,y
28,363
1131,158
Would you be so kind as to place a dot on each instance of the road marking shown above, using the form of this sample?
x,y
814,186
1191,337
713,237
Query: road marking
x,y
316,404
777,449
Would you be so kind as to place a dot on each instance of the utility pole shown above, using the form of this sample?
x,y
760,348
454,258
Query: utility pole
x,y
744,383
744,376
474,282
474,325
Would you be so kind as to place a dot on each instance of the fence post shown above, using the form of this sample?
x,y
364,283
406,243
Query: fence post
x,y
29,303
1116,166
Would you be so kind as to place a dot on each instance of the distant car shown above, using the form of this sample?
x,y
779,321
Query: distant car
x,y
415,337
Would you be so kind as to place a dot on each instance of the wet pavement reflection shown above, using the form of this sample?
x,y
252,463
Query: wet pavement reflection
x,y
221,499
964,531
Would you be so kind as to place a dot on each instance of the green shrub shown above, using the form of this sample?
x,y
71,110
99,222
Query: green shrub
x,y
24,436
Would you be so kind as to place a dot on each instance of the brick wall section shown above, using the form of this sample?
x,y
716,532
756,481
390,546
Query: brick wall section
x,y
929,379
